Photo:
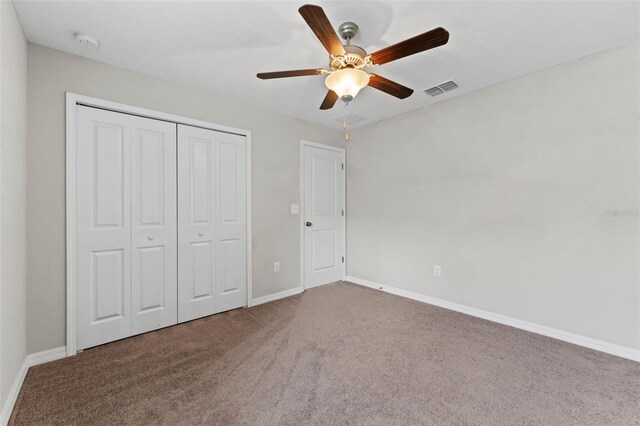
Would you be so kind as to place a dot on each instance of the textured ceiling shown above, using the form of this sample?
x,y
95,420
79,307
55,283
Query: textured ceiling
x,y
220,46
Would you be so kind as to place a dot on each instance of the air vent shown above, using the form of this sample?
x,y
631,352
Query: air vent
x,y
441,88
350,118
448,86
434,91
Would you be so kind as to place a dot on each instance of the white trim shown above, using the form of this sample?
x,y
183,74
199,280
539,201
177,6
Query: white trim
x,y
7,409
276,296
71,222
72,100
249,219
31,360
301,221
342,151
148,113
576,339
47,356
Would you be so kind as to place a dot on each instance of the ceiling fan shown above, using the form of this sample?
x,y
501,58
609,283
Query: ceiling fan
x,y
347,62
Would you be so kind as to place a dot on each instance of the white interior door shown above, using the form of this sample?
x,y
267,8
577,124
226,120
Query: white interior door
x,y
154,225
126,226
323,216
212,222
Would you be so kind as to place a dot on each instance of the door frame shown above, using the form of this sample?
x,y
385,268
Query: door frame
x,y
342,151
72,101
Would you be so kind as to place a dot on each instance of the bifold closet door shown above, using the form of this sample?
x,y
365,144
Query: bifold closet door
x,y
154,269
126,274
212,222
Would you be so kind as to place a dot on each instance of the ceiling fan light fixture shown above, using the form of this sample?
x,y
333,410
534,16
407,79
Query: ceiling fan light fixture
x,y
346,83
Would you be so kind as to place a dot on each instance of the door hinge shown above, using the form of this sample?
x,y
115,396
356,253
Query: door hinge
x,y
342,259
342,166
342,212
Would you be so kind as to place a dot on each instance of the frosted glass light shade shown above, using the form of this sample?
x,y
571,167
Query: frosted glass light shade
x,y
347,82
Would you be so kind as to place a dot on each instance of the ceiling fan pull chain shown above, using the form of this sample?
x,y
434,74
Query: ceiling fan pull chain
x,y
344,123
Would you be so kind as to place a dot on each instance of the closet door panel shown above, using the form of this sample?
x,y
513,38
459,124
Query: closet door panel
x,y
197,164
107,284
154,216
231,207
103,226
203,268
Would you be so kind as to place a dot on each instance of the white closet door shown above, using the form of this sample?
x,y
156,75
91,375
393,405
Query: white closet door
x,y
231,222
154,225
211,222
126,225
103,226
196,222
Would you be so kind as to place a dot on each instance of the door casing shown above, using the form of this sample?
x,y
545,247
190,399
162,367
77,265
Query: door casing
x,y
72,101
303,144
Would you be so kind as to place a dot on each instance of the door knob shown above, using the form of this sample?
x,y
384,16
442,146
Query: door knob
x,y
150,237
201,234
309,223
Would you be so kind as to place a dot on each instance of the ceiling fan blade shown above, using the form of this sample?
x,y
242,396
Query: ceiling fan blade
x,y
292,73
390,87
329,100
417,44
320,25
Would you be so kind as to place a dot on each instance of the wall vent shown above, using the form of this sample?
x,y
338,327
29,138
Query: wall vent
x,y
441,88
351,118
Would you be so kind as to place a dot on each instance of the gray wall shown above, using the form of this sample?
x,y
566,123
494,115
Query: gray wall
x,y
507,189
13,198
275,180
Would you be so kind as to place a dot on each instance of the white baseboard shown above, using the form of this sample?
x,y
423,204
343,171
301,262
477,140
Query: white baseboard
x,y
576,339
47,356
276,296
7,408
29,361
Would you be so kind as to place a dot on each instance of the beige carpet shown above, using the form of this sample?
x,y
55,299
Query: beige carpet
x,y
337,354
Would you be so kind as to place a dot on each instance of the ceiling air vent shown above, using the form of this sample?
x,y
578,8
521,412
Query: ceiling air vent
x,y
434,91
441,88
350,118
448,86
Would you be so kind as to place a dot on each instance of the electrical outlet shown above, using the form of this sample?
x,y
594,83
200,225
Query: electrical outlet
x,y
276,266
437,271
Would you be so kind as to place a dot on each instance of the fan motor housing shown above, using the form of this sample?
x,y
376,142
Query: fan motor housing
x,y
354,58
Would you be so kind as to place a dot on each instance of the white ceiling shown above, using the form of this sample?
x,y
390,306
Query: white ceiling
x,y
220,46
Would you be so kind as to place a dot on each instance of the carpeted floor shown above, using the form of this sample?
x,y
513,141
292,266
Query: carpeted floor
x,y
337,354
